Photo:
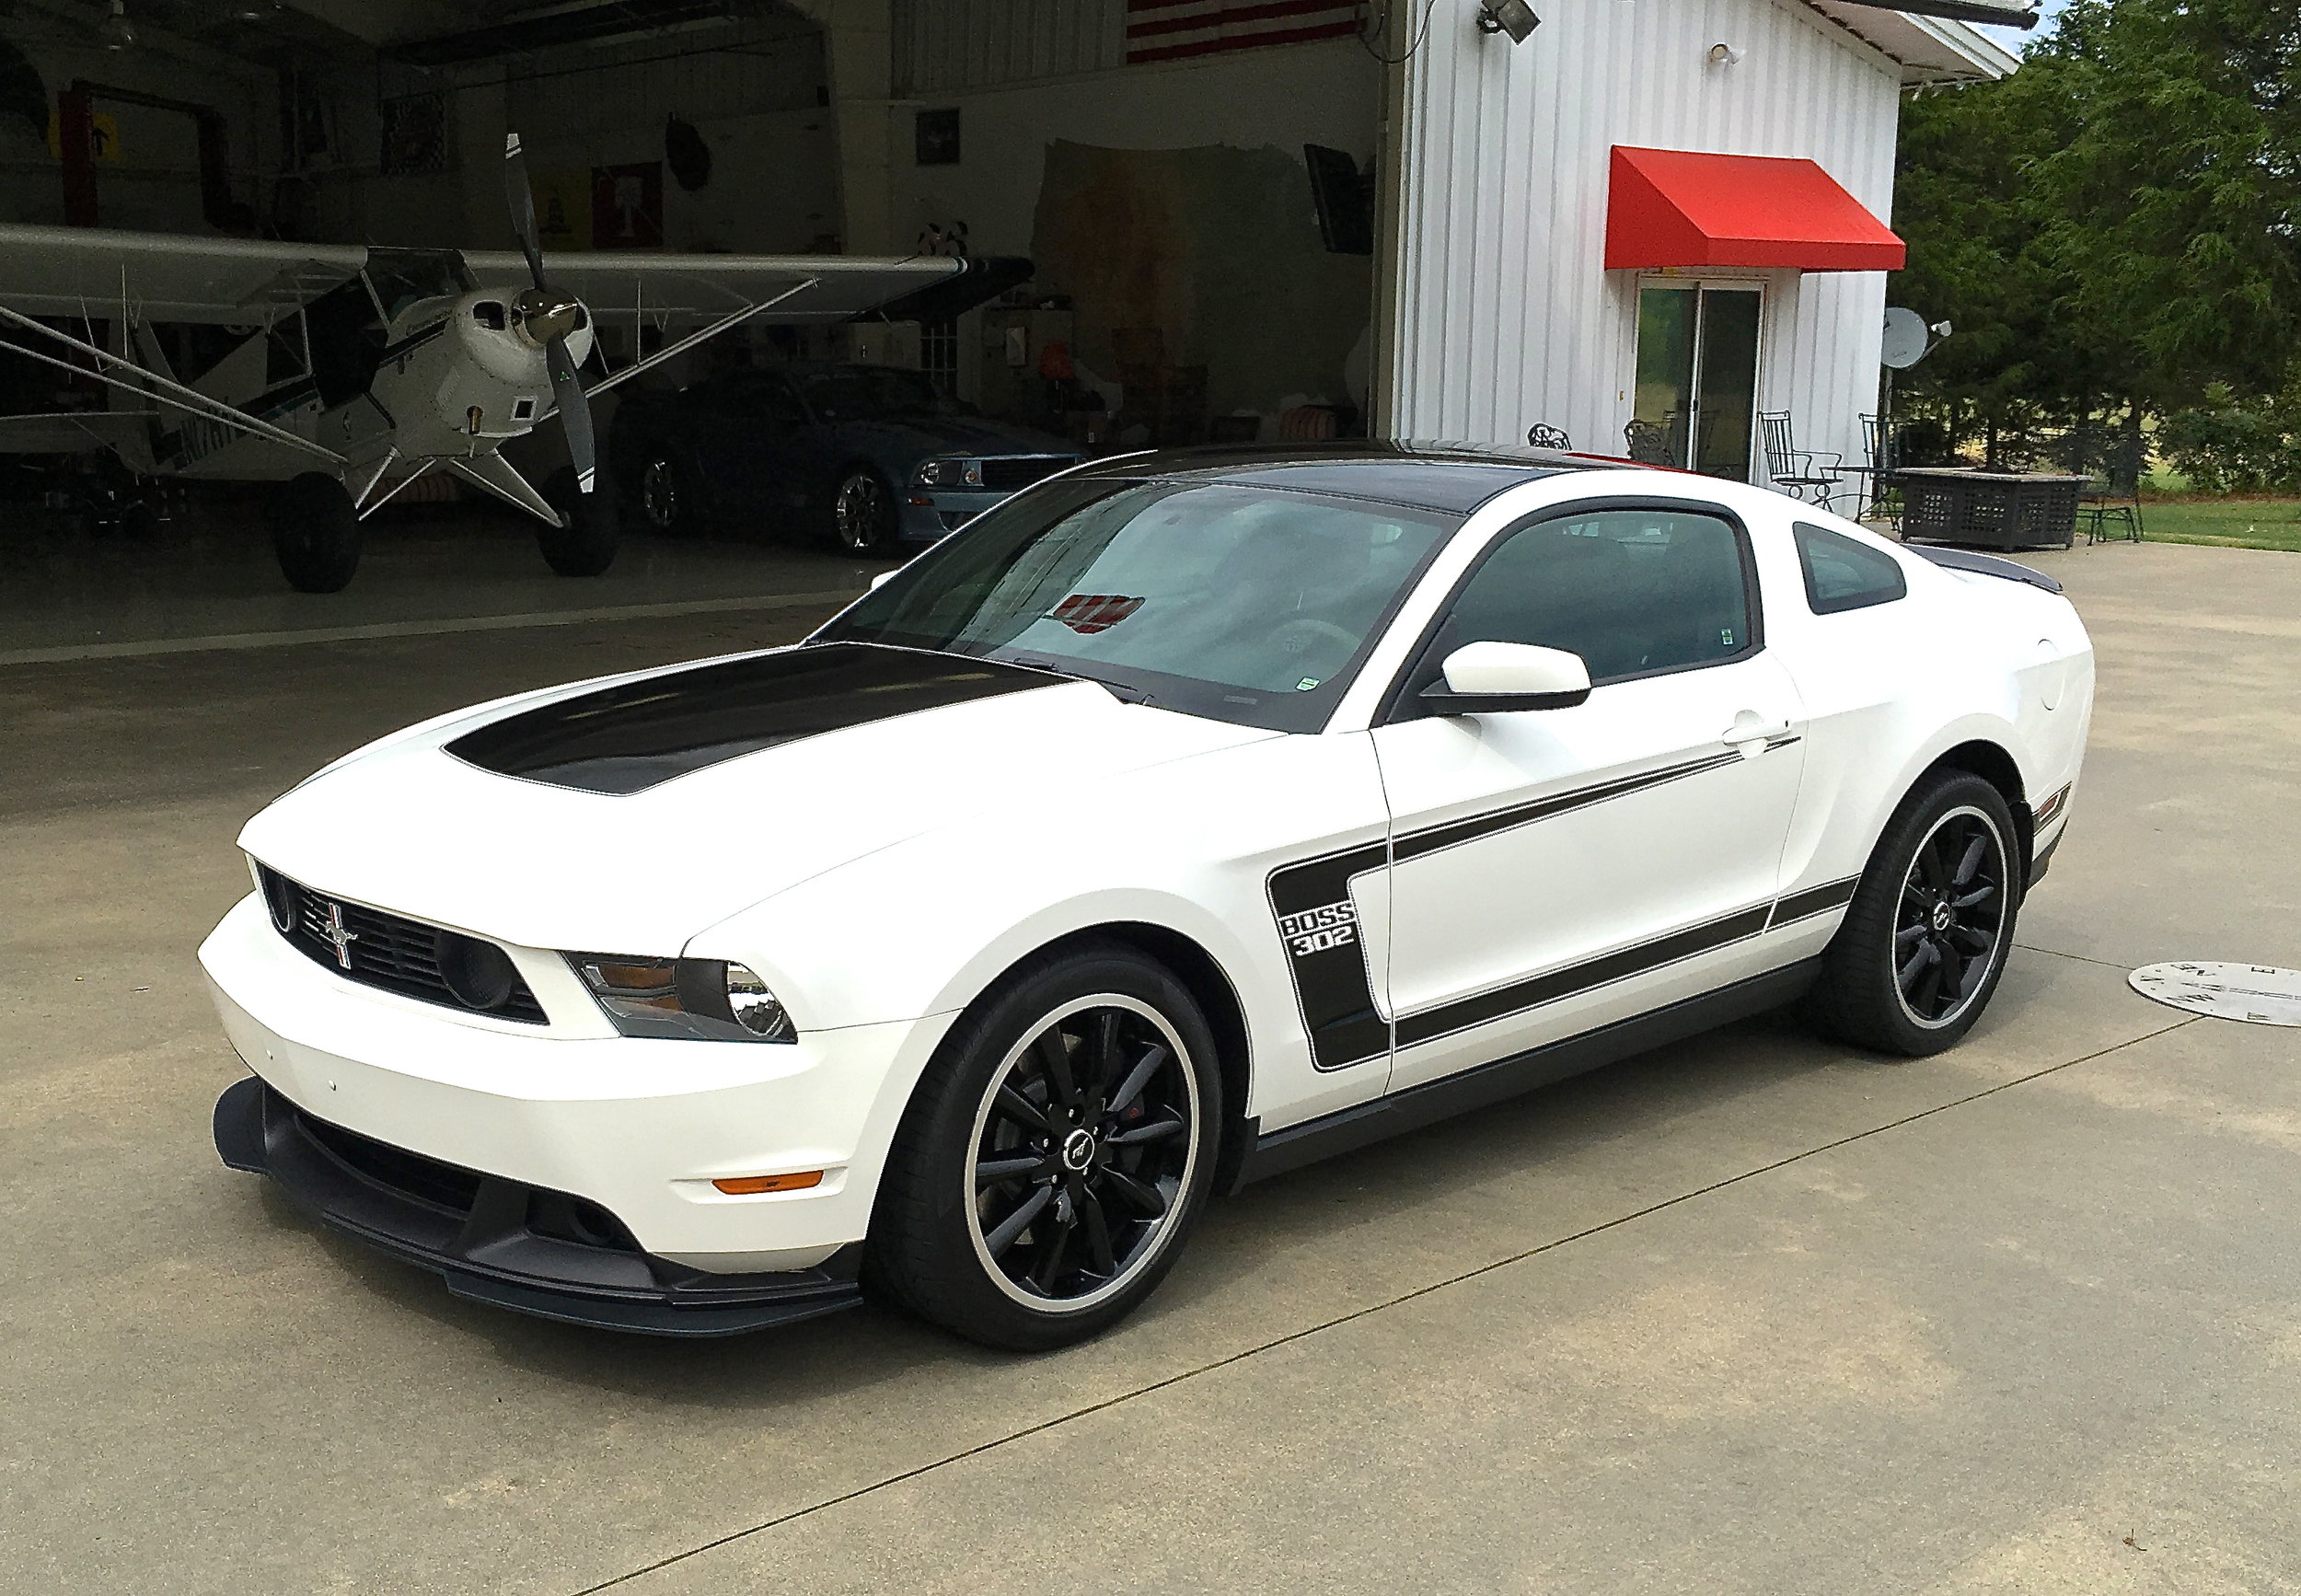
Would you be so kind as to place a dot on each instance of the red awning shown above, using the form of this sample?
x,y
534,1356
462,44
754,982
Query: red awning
x,y
1680,208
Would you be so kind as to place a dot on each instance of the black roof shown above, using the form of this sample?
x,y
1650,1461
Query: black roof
x,y
1454,478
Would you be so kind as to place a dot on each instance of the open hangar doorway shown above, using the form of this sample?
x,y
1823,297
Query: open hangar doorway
x,y
1197,194
652,128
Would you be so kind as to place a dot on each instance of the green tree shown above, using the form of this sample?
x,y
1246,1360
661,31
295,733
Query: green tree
x,y
2112,228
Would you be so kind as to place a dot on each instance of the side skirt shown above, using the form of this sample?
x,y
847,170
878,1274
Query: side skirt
x,y
1505,1078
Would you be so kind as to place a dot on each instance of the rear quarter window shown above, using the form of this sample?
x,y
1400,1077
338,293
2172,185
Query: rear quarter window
x,y
1843,574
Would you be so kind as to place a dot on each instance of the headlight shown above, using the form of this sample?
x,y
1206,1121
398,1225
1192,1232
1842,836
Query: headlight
x,y
948,474
693,1000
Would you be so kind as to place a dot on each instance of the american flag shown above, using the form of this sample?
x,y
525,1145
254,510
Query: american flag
x,y
1173,29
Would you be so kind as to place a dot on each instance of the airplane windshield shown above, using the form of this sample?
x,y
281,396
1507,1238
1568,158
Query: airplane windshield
x,y
1248,605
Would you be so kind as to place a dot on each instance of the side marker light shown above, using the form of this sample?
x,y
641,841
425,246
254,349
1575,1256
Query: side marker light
x,y
754,1185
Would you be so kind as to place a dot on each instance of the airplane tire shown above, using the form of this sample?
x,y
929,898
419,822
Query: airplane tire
x,y
316,533
586,546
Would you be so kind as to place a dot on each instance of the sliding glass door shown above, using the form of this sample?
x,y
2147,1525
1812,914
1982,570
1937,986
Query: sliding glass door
x,y
1695,405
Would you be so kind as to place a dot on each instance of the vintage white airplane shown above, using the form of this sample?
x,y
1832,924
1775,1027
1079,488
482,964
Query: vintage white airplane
x,y
343,374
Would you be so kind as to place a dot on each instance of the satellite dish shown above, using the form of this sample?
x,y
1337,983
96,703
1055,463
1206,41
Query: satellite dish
x,y
1905,341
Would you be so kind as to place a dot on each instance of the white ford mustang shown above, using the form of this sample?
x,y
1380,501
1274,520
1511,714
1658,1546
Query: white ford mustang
x,y
1186,819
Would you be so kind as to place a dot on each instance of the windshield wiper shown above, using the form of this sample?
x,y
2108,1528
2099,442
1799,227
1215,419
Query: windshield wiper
x,y
1125,692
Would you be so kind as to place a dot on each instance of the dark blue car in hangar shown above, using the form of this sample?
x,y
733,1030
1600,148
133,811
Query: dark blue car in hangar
x,y
868,457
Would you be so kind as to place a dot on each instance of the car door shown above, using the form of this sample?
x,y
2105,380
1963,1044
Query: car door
x,y
1556,869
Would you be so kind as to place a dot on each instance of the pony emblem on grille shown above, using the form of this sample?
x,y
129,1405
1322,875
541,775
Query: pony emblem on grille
x,y
342,936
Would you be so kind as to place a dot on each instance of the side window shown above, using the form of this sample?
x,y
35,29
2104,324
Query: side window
x,y
762,400
1633,592
1844,574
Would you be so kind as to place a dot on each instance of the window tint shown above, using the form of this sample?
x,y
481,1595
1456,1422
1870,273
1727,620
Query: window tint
x,y
1633,591
1844,574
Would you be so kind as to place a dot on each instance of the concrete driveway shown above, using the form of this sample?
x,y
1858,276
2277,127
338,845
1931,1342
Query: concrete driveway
x,y
1746,1315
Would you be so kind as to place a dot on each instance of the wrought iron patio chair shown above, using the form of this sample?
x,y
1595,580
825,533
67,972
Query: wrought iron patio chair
x,y
1661,443
1795,468
1543,435
2111,460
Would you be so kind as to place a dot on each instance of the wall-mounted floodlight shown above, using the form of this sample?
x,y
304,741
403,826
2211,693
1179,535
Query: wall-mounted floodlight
x,y
1514,17
1724,54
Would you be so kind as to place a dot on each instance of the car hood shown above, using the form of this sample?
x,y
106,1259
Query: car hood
x,y
627,816
956,434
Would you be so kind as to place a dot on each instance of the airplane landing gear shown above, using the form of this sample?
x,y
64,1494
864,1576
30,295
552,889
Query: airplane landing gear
x,y
316,533
586,546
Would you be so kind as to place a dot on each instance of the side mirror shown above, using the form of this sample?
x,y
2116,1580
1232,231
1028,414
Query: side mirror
x,y
1497,677
884,578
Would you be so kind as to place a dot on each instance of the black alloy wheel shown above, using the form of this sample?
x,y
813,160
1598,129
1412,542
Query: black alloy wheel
x,y
1952,912
667,500
1055,1156
1926,939
863,513
1083,1145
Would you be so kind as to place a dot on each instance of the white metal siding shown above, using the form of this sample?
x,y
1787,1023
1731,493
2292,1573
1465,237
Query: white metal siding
x,y
945,46
1505,315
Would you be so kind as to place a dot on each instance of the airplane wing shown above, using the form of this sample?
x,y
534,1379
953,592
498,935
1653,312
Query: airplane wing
x,y
690,288
165,276
71,432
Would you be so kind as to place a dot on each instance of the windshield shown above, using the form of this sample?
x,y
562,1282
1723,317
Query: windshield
x,y
1249,604
869,394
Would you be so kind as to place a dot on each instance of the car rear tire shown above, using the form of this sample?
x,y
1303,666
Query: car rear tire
x,y
669,499
315,532
587,545
1925,938
865,517
1058,1150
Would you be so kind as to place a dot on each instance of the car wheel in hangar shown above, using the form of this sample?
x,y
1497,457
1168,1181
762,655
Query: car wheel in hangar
x,y
862,513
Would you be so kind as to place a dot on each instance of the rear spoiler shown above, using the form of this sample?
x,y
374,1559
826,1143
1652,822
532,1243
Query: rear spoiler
x,y
1984,566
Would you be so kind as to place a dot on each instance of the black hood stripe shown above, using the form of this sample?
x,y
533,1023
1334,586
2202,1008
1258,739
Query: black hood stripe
x,y
635,735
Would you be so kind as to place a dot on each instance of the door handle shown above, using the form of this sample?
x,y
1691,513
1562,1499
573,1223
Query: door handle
x,y
1749,728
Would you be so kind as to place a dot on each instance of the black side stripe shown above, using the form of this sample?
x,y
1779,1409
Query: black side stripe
x,y
1815,900
1326,956
1575,979
1414,845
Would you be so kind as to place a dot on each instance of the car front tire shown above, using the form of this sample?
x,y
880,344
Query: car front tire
x,y
1058,1152
1925,938
865,517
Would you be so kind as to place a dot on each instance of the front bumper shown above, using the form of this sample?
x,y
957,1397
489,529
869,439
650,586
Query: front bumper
x,y
637,1127
503,1242
932,512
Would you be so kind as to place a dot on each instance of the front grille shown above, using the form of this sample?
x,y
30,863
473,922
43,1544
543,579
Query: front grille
x,y
1021,470
384,950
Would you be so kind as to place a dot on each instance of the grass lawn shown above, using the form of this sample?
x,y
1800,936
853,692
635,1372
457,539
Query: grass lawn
x,y
2236,523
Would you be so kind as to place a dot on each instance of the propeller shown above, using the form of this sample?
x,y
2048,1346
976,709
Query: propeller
x,y
548,316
